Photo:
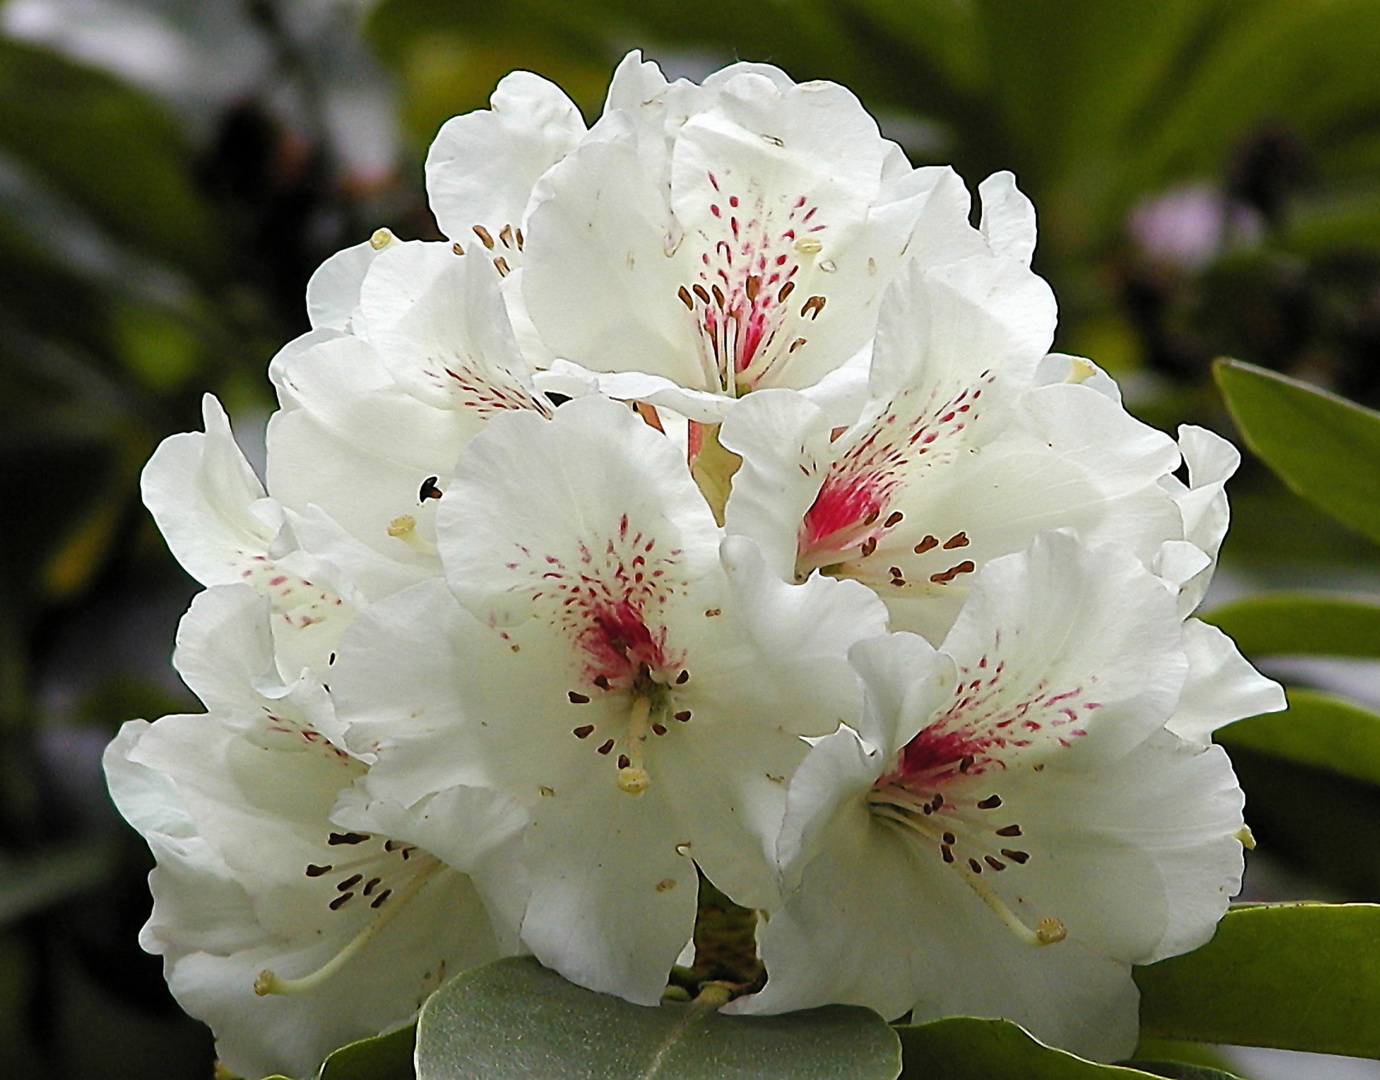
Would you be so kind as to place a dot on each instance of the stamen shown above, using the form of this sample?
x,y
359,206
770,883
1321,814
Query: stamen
x,y
1046,932
632,777
269,983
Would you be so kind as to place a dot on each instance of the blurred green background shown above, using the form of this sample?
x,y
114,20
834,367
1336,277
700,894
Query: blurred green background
x,y
1207,174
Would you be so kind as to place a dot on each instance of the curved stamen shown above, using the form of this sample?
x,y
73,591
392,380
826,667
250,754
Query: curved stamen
x,y
906,809
270,983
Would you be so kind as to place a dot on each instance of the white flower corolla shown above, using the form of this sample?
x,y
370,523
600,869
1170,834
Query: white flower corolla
x,y
704,241
224,529
962,452
1011,826
293,914
377,404
600,654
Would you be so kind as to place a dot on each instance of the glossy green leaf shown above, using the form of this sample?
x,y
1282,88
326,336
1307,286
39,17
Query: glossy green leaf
x,y
388,1057
515,1019
1180,1070
1293,976
1315,624
965,1048
1318,730
1324,447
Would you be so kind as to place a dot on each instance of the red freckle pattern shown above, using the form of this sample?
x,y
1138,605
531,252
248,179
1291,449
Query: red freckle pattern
x,y
294,599
748,269
917,431
608,601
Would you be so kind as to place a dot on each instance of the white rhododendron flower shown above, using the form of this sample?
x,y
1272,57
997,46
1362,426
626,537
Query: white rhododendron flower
x,y
263,888
601,654
706,507
1011,825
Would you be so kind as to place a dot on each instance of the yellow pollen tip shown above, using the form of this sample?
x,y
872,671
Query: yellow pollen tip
x,y
1080,370
381,239
402,526
633,780
1051,930
1246,837
808,245
266,983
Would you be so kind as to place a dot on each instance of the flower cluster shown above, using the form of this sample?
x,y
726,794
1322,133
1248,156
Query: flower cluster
x,y
708,504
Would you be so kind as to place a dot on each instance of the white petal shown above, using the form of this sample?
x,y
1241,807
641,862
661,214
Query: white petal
x,y
1079,649
534,499
439,323
1008,217
333,291
612,901
1222,686
200,489
482,166
783,439
1211,463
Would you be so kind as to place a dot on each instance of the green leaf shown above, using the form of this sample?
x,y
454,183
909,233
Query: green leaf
x,y
1314,624
1292,976
388,1057
516,1019
1317,729
1180,1070
964,1048
1324,447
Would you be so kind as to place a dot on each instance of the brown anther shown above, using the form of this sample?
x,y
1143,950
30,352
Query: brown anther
x,y
786,291
926,544
949,838
966,762
947,852
989,803
501,265
349,883
624,761
683,715
685,297
896,572
371,885
378,900
958,540
519,238
873,516
340,901
601,681
316,871
457,249
754,283
1009,830
994,863
893,519
658,729
1016,856
347,838
577,698
812,307
718,296
584,731
712,612
869,546
506,235
796,344
683,677
702,293
484,237
606,747
428,490
975,866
